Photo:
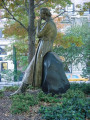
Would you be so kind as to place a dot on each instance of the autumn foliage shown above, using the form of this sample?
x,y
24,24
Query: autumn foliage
x,y
15,29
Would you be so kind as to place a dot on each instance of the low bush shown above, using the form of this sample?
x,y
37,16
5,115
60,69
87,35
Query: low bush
x,y
11,88
84,87
73,93
71,107
1,94
48,97
21,103
68,110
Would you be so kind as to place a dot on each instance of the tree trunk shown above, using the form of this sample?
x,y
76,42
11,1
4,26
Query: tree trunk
x,y
31,30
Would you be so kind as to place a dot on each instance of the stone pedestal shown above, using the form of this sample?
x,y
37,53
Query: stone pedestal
x,y
54,79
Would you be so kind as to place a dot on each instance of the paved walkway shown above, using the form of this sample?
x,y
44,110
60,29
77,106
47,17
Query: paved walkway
x,y
6,84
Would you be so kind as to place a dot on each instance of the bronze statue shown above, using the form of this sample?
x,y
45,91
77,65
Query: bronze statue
x,y
46,35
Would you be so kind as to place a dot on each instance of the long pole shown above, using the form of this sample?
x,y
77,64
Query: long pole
x,y
15,63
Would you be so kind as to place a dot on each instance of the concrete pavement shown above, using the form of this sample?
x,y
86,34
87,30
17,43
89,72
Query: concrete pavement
x,y
6,84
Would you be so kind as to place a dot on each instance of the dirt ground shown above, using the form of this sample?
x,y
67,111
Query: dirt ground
x,y
5,114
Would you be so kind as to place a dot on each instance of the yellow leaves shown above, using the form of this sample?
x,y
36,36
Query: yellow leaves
x,y
14,29
66,41
81,13
50,1
62,58
59,19
12,5
87,4
83,8
59,36
58,39
78,5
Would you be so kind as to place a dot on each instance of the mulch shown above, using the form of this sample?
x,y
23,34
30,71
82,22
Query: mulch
x,y
5,113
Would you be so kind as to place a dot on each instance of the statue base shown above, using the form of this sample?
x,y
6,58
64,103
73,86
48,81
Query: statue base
x,y
54,79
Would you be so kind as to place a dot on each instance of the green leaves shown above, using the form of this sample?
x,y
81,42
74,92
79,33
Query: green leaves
x,y
84,87
85,7
74,93
1,94
48,98
18,10
11,88
73,106
74,46
21,103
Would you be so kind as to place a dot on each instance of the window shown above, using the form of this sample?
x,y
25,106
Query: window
x,y
0,58
0,33
4,66
2,50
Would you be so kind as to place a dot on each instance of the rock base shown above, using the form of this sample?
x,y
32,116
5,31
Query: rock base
x,y
54,79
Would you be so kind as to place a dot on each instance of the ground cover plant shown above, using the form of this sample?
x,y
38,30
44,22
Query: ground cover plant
x,y
82,86
21,103
11,88
73,105
1,94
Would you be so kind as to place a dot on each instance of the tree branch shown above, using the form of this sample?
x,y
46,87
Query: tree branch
x,y
66,11
26,7
13,16
59,15
7,18
38,4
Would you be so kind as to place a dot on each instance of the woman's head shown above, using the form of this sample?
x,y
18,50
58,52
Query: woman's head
x,y
45,12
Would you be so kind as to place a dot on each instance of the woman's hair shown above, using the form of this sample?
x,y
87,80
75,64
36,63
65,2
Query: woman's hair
x,y
46,11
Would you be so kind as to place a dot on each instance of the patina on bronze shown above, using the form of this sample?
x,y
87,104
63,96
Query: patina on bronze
x,y
46,34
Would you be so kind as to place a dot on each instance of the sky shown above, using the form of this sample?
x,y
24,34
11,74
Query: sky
x,y
79,1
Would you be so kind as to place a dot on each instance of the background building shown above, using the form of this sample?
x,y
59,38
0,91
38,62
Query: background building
x,y
5,64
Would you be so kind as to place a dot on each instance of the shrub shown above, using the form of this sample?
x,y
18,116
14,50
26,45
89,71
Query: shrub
x,y
21,103
84,87
73,93
11,88
1,94
72,106
9,74
48,97
19,107
72,109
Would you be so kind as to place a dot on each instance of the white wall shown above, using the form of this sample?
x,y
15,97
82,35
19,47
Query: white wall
x,y
79,1
4,42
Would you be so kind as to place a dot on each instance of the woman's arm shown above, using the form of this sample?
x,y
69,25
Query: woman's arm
x,y
43,30
38,25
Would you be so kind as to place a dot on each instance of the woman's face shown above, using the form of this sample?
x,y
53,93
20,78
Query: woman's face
x,y
42,14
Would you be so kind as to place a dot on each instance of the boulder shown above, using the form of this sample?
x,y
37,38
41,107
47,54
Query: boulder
x,y
54,79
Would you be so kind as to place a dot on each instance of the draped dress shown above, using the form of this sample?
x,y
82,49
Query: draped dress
x,y
33,73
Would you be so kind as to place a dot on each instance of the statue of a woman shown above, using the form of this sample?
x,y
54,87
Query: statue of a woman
x,y
46,35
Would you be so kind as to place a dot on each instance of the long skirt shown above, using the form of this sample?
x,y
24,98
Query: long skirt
x,y
33,74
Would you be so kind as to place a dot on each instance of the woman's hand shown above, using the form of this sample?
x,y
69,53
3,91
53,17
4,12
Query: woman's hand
x,y
38,25
39,22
